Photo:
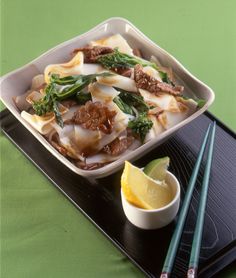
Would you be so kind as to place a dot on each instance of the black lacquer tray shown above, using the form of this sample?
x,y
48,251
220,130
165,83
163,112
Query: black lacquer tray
x,y
101,203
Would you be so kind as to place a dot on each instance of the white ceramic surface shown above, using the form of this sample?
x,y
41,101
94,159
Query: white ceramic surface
x,y
17,82
156,218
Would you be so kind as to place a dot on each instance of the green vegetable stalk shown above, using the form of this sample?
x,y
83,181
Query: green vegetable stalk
x,y
200,102
132,104
48,104
141,125
118,59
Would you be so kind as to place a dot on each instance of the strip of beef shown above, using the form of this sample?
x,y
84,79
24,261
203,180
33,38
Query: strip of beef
x,y
151,84
91,53
55,143
119,145
127,72
94,116
41,87
137,52
155,111
68,103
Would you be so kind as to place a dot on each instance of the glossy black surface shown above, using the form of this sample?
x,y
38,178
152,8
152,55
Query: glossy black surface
x,y
101,203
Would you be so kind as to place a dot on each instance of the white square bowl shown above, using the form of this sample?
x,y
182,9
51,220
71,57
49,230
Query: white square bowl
x,y
17,82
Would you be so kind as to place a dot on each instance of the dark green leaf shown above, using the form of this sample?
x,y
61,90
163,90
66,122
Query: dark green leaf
x,y
83,97
165,78
123,106
133,100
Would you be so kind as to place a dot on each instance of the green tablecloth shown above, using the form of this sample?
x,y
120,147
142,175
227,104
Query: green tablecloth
x,y
42,234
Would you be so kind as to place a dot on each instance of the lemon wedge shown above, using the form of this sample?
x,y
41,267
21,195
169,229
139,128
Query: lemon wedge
x,y
142,191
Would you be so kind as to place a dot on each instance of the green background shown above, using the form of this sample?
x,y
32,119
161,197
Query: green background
x,y
42,234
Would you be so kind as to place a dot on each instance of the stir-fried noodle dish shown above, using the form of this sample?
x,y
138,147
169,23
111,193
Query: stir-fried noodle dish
x,y
105,102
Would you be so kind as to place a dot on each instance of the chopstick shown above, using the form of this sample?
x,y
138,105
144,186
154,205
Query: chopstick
x,y
197,238
174,243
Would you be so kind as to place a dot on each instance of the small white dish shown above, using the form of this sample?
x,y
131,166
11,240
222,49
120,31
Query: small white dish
x,y
17,82
156,218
